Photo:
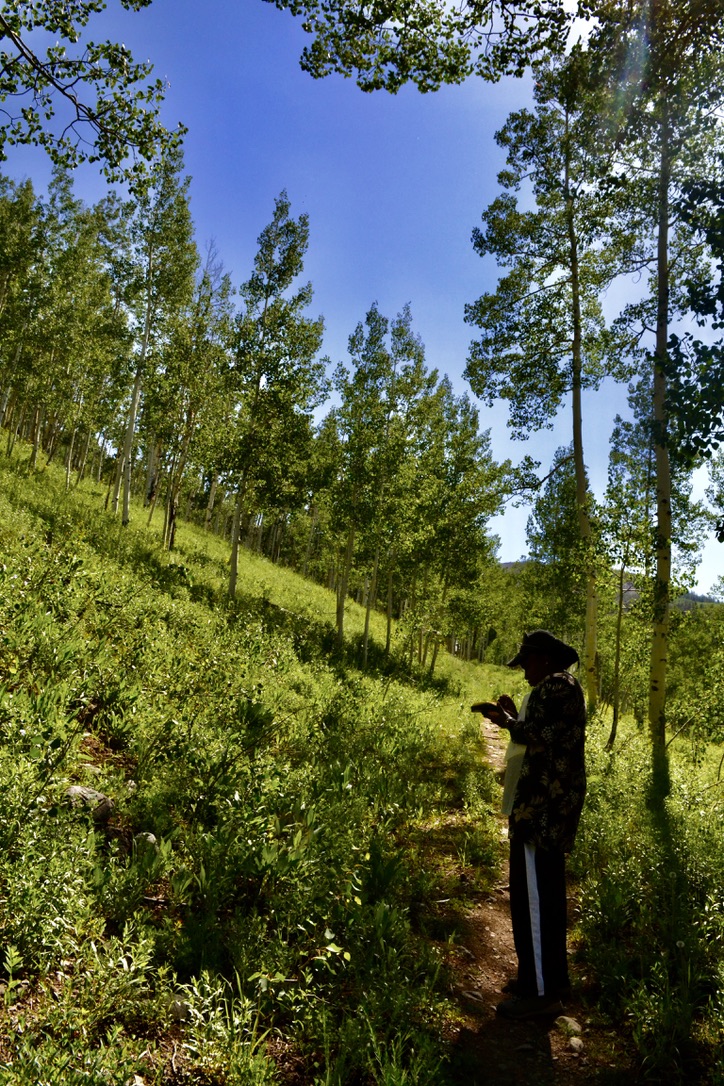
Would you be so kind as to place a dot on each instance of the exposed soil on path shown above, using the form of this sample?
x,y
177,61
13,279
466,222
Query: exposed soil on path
x,y
573,1049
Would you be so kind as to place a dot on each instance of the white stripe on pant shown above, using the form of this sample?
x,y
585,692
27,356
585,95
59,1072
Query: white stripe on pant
x,y
534,909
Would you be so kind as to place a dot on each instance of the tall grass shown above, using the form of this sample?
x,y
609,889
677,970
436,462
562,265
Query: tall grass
x,y
261,895
651,909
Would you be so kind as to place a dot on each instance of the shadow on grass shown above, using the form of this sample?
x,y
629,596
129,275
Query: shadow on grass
x,y
315,639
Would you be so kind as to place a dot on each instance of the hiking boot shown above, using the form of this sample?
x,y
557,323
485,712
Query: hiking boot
x,y
529,1007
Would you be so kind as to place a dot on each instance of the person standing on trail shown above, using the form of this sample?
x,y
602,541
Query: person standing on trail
x,y
544,789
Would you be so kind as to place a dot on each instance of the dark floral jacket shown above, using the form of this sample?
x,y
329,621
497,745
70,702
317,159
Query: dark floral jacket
x,y
552,784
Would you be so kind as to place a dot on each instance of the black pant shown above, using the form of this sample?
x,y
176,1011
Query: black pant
x,y
538,913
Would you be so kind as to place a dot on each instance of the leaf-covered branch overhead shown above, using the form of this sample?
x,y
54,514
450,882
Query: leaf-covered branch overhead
x,y
79,99
387,43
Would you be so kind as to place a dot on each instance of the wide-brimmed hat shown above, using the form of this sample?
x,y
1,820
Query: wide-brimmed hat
x,y
546,644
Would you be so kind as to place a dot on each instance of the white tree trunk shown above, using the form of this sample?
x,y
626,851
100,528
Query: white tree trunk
x,y
660,633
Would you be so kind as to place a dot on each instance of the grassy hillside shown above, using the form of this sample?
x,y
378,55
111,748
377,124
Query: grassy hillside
x,y
263,880
259,893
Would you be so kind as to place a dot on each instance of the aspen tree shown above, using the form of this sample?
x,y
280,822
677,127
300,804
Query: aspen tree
x,y
542,334
20,265
183,393
274,374
627,518
160,266
660,61
376,422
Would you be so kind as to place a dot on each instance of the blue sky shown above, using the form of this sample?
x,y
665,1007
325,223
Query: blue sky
x,y
393,186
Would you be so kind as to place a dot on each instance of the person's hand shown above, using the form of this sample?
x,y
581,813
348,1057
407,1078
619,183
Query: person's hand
x,y
495,712
500,716
484,707
506,703
502,712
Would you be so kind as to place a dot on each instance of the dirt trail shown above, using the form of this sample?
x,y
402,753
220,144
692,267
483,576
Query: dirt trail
x,y
492,1051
